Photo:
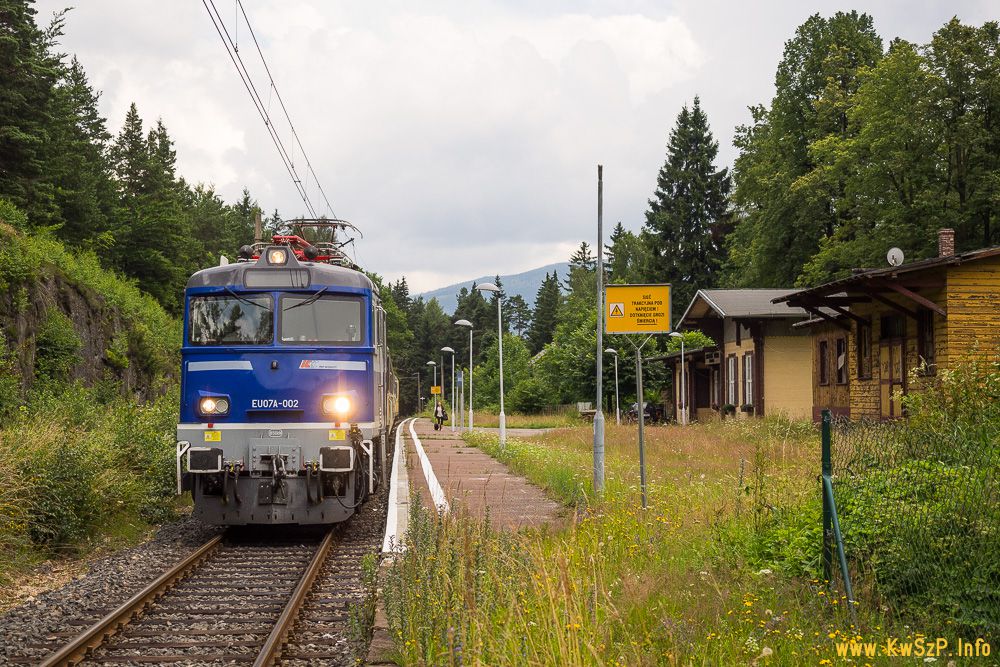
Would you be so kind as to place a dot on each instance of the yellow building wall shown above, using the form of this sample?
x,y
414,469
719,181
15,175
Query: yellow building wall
x,y
787,377
865,393
973,324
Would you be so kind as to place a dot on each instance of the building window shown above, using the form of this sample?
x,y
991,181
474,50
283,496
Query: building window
x,y
892,326
731,397
925,339
864,351
748,378
824,363
841,361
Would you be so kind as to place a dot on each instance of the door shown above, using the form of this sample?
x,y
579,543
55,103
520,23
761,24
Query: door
x,y
892,362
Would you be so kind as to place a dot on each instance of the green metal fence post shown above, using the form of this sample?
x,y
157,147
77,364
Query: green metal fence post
x,y
827,470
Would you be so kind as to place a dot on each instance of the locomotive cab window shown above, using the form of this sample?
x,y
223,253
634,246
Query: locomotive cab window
x,y
308,319
244,319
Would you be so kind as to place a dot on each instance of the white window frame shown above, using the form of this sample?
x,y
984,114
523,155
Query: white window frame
x,y
731,366
748,378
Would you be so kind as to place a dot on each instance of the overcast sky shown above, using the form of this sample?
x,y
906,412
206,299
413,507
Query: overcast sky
x,y
462,137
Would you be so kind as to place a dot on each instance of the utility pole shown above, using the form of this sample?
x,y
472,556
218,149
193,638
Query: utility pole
x,y
599,414
258,227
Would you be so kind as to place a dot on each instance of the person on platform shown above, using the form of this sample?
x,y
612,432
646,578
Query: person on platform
x,y
439,416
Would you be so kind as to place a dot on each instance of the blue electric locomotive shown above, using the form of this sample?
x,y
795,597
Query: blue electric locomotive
x,y
287,389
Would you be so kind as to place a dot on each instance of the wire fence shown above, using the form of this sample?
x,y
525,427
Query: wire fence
x,y
919,507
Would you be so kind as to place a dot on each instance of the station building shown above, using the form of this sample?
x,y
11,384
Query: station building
x,y
872,334
759,363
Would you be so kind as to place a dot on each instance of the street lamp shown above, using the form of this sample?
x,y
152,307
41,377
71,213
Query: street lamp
x,y
434,364
467,323
618,412
684,405
452,352
490,287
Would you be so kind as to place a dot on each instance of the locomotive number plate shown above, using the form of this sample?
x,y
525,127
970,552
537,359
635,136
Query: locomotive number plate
x,y
338,434
274,403
213,436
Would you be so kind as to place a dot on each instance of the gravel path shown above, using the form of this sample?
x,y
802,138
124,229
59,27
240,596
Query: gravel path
x,y
109,582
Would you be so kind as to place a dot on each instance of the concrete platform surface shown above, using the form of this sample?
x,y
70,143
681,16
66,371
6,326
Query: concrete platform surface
x,y
477,481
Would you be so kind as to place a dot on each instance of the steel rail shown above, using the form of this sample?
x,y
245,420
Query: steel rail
x,y
271,649
97,634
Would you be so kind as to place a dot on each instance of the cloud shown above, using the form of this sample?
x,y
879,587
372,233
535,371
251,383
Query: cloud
x,y
462,137
445,135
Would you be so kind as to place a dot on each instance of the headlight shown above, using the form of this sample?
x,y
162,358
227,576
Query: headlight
x,y
339,406
277,256
213,405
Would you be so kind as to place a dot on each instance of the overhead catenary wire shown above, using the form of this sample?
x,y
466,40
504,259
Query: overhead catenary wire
x,y
284,109
255,97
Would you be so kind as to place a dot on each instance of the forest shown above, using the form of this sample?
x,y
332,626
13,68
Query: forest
x,y
866,144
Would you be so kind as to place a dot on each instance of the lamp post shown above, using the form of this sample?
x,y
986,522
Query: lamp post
x,y
618,412
467,323
452,352
434,365
684,405
490,287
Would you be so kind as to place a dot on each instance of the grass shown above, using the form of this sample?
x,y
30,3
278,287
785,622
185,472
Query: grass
x,y
560,419
79,473
708,574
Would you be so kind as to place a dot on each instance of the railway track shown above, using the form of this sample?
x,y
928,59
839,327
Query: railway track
x,y
282,600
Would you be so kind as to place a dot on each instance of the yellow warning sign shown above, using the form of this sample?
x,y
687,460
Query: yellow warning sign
x,y
637,309
436,389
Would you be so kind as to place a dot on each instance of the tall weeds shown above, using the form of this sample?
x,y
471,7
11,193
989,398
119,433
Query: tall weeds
x,y
70,462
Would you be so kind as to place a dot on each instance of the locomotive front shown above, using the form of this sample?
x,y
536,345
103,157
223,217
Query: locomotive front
x,y
283,411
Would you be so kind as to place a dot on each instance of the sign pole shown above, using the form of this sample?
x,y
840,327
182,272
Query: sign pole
x,y
638,309
599,415
640,403
642,423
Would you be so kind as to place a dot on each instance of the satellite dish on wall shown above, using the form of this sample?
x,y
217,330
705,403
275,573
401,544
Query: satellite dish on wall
x,y
894,256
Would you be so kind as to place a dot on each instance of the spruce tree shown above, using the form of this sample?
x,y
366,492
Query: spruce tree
x,y
625,257
544,317
28,74
688,214
517,312
77,162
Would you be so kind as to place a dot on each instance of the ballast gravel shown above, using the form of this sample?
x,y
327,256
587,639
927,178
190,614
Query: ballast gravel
x,y
27,630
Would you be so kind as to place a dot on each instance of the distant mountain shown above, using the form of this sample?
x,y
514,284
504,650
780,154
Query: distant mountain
x,y
526,284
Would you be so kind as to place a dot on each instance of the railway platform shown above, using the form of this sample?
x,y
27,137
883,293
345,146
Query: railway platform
x,y
450,475
447,473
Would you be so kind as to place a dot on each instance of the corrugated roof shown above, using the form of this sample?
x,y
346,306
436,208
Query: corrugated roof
x,y
746,303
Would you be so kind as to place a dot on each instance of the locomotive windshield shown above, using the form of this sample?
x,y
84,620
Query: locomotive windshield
x,y
317,318
246,319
